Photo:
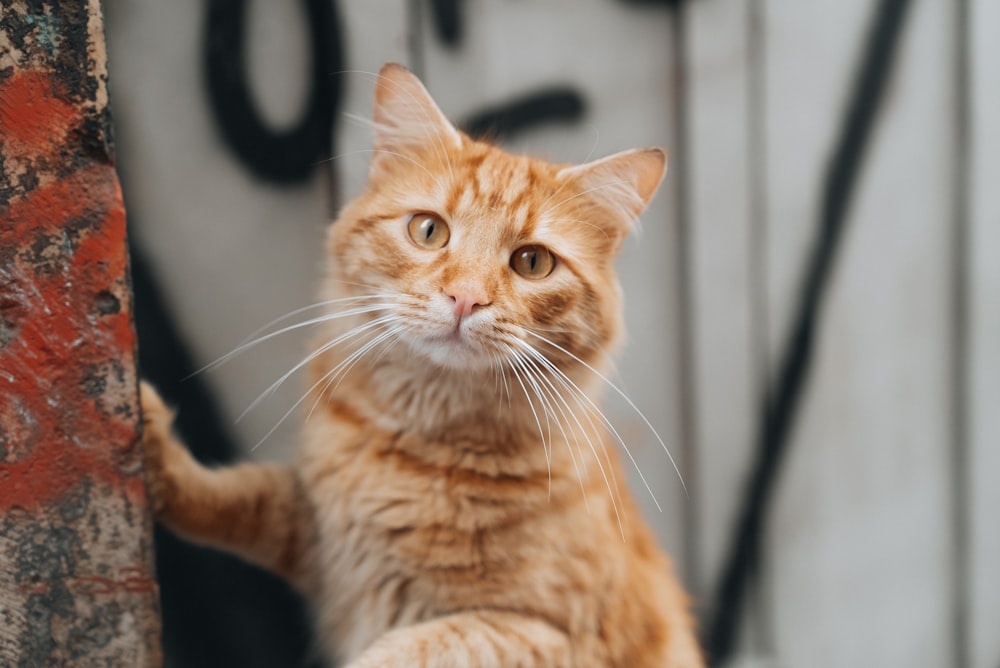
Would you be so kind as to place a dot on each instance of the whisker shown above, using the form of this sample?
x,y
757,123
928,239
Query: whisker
x,y
341,371
579,394
528,376
295,406
555,395
622,395
356,356
541,435
442,150
303,309
607,422
581,222
306,323
313,355
610,184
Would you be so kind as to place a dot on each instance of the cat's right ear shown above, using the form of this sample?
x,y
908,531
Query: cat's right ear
x,y
406,116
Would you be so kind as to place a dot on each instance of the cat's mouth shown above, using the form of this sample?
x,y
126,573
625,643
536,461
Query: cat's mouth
x,y
457,346
458,337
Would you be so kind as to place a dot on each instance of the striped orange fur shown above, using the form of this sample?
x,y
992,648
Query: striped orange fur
x,y
458,499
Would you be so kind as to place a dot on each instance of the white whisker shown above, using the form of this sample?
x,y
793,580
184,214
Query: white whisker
x,y
311,356
309,307
623,396
580,397
306,323
556,397
297,404
345,365
442,150
541,435
607,422
610,184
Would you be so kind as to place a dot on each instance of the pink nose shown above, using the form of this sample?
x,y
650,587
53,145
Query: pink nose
x,y
466,299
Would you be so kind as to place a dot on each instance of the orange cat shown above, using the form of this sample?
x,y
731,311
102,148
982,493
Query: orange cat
x,y
456,501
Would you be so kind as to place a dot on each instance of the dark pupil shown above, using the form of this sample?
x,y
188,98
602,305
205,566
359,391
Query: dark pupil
x,y
428,229
533,258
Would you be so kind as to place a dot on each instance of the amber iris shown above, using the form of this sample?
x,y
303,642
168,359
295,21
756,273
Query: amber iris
x,y
428,231
533,262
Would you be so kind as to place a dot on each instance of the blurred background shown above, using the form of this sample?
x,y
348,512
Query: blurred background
x,y
813,299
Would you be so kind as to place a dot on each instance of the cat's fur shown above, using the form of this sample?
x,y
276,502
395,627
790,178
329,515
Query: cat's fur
x,y
437,515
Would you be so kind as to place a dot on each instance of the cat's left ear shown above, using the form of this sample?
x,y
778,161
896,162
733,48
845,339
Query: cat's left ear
x,y
406,115
624,182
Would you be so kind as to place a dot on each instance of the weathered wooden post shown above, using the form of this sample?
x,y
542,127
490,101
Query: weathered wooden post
x,y
76,573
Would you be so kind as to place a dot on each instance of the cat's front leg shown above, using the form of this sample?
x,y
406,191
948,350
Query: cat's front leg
x,y
256,511
477,639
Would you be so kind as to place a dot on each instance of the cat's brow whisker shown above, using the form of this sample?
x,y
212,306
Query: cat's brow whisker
x,y
581,222
342,154
430,122
597,138
358,118
554,193
609,184
622,395
405,157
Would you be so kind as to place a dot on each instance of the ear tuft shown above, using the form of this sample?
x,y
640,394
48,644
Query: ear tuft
x,y
625,181
406,115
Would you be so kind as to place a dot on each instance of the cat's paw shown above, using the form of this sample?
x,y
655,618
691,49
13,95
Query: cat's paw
x,y
158,447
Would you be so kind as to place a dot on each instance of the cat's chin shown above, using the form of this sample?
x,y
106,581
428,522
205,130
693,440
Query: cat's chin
x,y
454,353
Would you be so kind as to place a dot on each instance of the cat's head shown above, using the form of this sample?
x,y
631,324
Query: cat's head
x,y
478,254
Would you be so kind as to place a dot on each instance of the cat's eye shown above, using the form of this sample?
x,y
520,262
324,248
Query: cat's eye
x,y
533,262
428,231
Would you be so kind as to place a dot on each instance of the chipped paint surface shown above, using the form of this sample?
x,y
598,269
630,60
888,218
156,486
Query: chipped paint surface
x,y
76,576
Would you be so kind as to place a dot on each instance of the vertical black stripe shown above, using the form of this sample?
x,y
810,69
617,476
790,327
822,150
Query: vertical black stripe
x,y
780,408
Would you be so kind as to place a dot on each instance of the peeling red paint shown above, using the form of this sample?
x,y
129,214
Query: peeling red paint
x,y
54,310
75,533
33,121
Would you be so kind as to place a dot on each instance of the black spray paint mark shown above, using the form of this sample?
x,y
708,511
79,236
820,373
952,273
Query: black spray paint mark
x,y
281,156
781,409
447,16
217,609
559,104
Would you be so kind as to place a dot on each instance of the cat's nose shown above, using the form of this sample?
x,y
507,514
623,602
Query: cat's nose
x,y
466,298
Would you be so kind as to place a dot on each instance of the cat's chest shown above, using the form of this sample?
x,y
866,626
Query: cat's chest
x,y
402,539
404,504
